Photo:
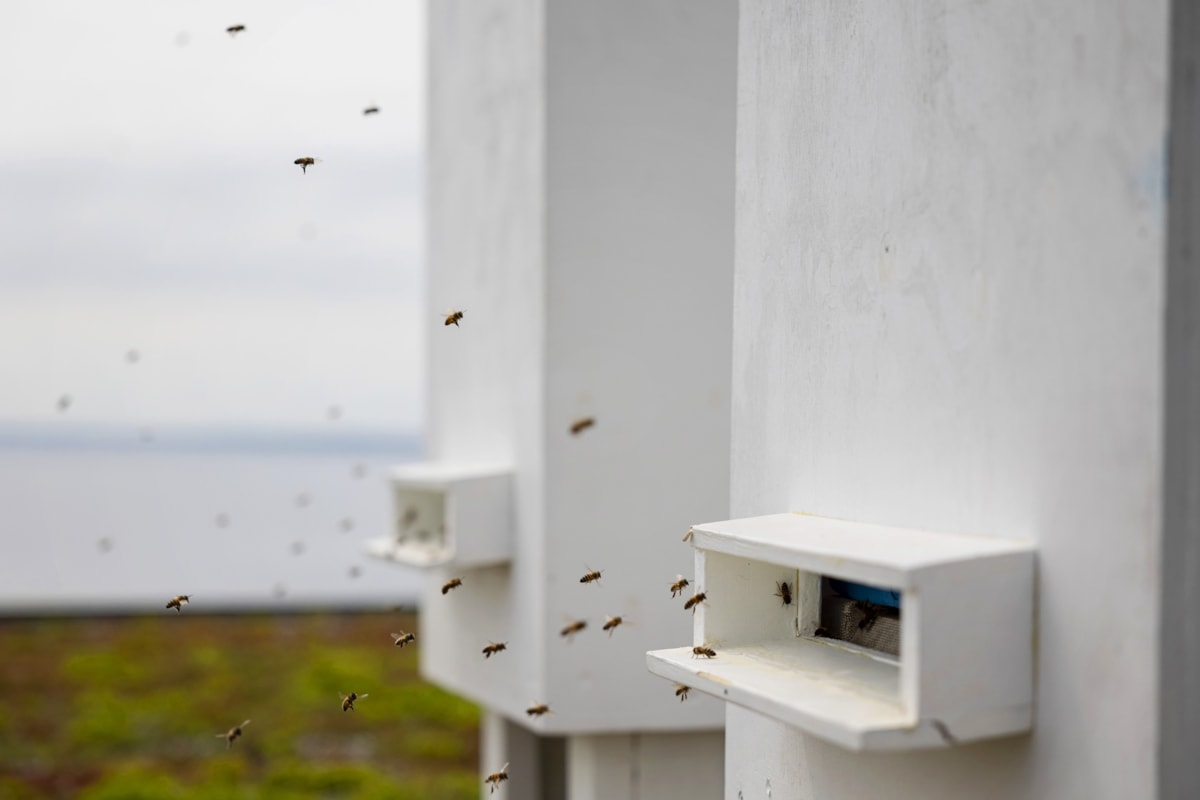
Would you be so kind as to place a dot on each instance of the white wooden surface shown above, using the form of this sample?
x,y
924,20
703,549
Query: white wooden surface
x,y
949,299
581,181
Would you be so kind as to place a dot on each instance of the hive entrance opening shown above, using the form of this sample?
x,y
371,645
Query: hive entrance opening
x,y
868,616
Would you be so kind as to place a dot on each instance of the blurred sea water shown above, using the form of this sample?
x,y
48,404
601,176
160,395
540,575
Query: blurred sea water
x,y
96,520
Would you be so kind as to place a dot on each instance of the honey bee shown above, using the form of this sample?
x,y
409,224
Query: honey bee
x,y
453,583
493,648
400,639
370,110
234,30
701,650
572,628
537,709
348,700
409,517
177,602
591,576
870,613
232,734
582,424
681,691
679,585
452,317
784,592
611,624
694,601
687,537
305,162
496,778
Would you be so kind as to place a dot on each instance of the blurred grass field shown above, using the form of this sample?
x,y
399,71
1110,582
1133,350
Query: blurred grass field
x,y
108,708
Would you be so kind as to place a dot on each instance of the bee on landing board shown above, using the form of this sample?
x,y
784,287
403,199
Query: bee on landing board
x,y
452,317
177,602
348,700
493,648
679,585
400,639
573,627
453,583
784,592
537,709
305,162
232,734
681,691
591,576
694,601
234,30
611,624
582,424
702,650
496,778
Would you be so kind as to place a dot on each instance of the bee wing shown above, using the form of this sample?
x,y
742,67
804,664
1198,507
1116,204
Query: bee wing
x,y
397,636
342,696
222,736
505,767
363,695
244,724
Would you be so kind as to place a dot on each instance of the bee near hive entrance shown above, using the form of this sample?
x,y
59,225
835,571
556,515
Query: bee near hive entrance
x,y
857,613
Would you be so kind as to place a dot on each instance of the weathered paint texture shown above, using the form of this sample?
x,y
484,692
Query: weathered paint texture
x,y
948,301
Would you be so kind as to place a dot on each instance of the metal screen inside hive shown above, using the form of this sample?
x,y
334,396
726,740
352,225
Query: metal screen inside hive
x,y
873,626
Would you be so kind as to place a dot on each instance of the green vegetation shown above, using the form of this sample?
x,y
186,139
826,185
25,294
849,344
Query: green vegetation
x,y
123,709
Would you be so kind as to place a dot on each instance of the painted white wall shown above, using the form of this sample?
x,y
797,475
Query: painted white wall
x,y
948,312
581,212
642,766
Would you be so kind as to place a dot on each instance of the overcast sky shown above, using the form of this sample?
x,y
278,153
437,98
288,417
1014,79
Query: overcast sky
x,y
148,202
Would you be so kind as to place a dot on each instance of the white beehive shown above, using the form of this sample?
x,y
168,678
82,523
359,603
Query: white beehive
x,y
580,212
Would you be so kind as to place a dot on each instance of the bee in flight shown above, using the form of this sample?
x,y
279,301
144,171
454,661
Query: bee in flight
x,y
178,602
305,162
370,110
453,583
234,30
591,576
573,627
694,601
611,624
493,648
681,691
348,700
232,734
400,639
679,585
702,650
452,317
783,592
537,709
496,778
582,424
